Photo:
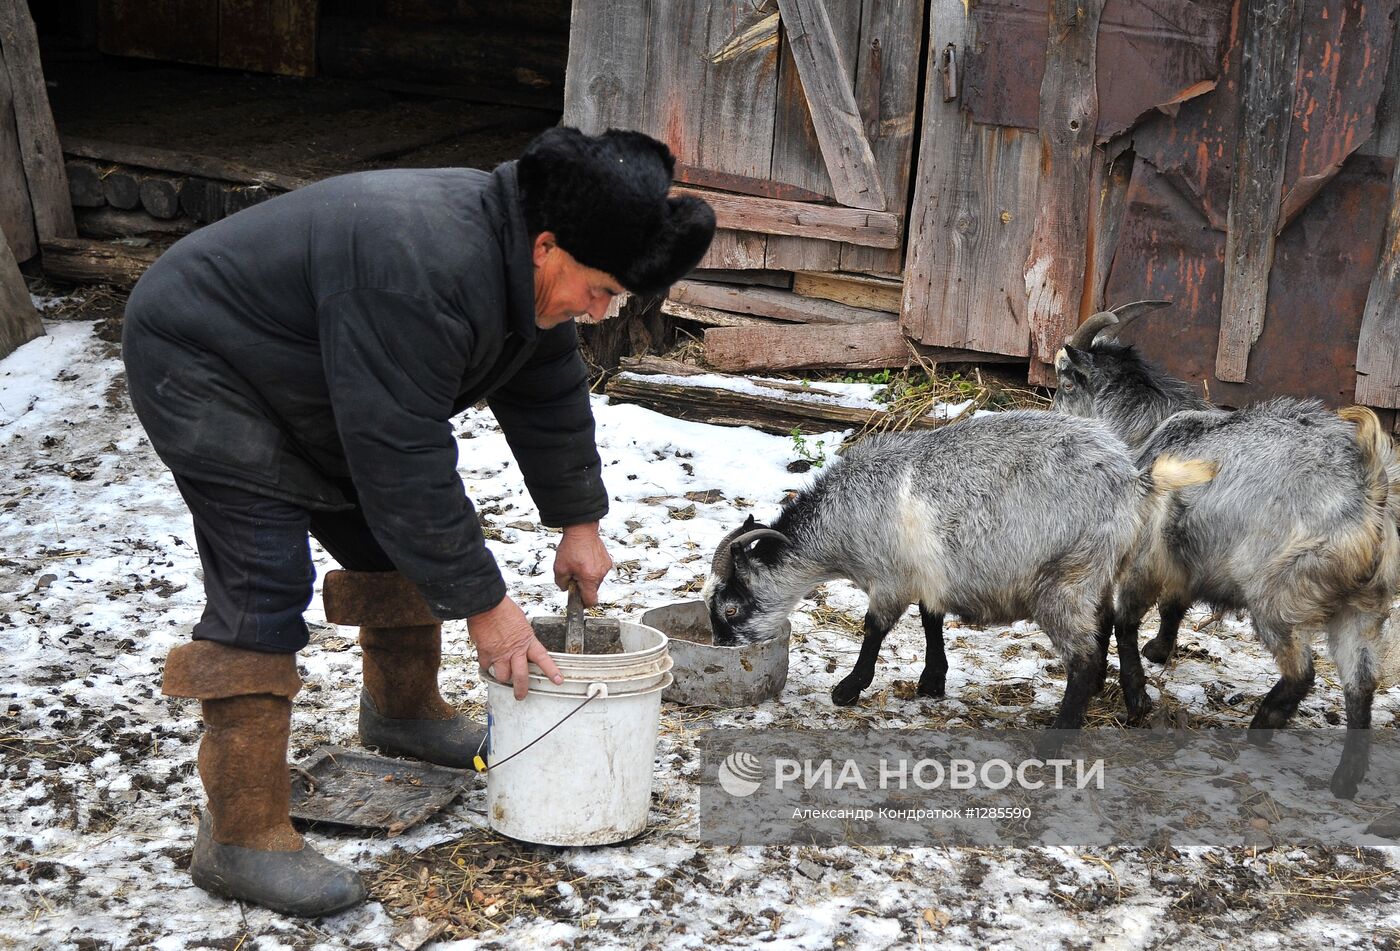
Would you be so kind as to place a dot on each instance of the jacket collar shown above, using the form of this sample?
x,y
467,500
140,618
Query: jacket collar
x,y
515,247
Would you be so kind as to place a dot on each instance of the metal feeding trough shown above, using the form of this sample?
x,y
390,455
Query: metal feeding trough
x,y
708,675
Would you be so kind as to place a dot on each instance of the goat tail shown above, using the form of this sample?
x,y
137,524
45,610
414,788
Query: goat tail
x,y
1170,474
1378,458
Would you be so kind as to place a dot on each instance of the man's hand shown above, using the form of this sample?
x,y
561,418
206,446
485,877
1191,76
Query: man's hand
x,y
505,644
582,557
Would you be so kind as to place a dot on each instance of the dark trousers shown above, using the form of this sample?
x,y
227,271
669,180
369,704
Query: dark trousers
x,y
256,554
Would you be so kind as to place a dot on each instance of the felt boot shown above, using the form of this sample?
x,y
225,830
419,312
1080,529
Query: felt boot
x,y
401,710
246,848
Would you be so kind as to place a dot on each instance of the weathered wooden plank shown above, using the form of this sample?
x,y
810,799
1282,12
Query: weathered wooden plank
x,y
1112,176
1270,59
1386,138
761,187
1343,50
840,132
16,211
865,346
710,316
780,279
1378,347
780,410
887,91
38,139
797,155
767,302
1150,54
19,321
1069,114
268,36
82,261
710,94
878,229
971,221
852,289
184,163
605,82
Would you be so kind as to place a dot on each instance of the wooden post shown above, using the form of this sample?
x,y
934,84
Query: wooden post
x,y
38,139
1069,116
19,321
1272,30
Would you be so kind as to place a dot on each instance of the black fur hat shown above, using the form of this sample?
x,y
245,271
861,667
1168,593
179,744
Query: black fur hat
x,y
606,199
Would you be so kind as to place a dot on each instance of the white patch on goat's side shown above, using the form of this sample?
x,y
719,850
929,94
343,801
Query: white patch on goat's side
x,y
922,554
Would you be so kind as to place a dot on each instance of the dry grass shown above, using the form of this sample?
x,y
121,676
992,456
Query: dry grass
x,y
473,886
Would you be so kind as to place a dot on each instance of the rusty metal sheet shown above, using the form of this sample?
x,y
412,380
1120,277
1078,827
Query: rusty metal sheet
x,y
1323,263
1343,43
1150,53
1342,63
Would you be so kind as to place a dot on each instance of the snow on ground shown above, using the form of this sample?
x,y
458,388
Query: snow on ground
x,y
100,580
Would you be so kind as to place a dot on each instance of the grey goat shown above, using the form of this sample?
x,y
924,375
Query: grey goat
x,y
1000,518
1294,527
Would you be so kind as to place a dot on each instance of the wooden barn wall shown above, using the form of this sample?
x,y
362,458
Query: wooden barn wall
x,y
717,82
1326,223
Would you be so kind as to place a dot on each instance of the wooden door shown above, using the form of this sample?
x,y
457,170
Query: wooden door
x,y
730,85
267,36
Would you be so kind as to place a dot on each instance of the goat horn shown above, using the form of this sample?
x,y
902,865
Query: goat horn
x,y
1127,313
723,565
1082,338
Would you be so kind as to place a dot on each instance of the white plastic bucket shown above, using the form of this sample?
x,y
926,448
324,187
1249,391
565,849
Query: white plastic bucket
x,y
589,781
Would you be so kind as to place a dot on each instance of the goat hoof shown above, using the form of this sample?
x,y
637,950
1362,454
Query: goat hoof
x,y
1260,736
931,688
1157,650
1343,783
1139,706
846,692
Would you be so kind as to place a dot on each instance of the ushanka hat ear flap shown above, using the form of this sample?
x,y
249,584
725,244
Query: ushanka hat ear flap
x,y
607,200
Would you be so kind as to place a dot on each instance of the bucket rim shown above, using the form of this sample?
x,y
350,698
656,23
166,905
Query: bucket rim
x,y
661,665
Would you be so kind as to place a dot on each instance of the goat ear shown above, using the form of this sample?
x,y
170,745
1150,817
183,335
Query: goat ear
x,y
1073,357
740,556
750,523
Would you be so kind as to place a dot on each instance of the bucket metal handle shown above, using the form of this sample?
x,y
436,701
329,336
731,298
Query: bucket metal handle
x,y
595,691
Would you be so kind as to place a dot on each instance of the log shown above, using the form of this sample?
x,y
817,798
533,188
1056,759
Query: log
x,y
16,210
85,185
81,261
870,293
203,200
245,196
864,347
779,305
122,190
160,196
19,321
114,223
650,365
181,163
780,413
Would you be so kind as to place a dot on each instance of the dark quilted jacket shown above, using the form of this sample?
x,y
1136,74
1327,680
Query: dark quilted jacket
x,y
334,332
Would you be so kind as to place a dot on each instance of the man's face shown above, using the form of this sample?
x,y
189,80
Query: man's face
x,y
566,289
